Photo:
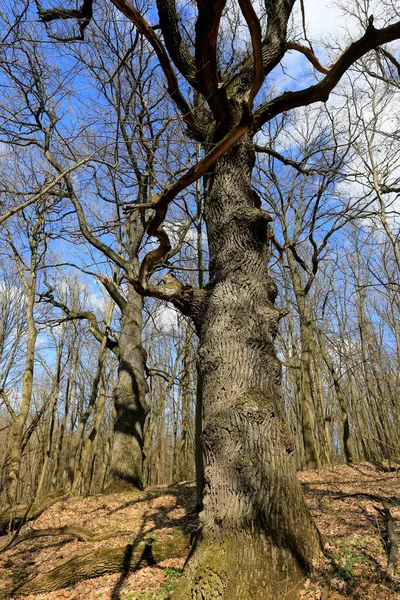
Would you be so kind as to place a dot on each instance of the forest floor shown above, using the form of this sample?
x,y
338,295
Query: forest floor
x,y
354,565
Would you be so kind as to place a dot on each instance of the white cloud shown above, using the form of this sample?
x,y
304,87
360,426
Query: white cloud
x,y
166,318
322,18
96,301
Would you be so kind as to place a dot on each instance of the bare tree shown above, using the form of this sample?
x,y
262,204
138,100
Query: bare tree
x,y
257,537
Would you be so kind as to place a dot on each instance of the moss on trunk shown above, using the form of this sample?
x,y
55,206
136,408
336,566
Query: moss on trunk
x,y
234,567
106,560
12,518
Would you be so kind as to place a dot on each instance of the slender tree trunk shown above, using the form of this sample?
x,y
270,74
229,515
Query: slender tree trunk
x,y
175,455
68,472
323,420
59,444
257,537
347,444
311,451
126,469
107,453
55,390
156,419
184,448
79,444
90,444
27,384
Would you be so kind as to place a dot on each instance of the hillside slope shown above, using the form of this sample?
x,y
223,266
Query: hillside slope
x,y
164,517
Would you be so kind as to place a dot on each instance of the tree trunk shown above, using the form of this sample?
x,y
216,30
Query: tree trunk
x,y
54,392
27,385
311,451
91,443
257,536
126,469
198,418
184,447
347,444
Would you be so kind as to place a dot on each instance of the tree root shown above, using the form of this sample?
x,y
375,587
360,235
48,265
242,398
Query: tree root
x,y
374,497
12,518
106,560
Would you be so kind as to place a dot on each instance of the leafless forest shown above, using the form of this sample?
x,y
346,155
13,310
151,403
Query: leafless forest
x,y
200,263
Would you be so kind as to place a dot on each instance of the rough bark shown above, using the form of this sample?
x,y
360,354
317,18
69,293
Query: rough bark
x,y
80,534
126,469
257,536
198,445
106,560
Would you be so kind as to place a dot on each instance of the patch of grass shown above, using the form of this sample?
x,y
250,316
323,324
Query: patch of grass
x,y
350,560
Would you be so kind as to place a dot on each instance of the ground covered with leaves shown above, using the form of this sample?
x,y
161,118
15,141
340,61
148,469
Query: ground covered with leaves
x,y
344,501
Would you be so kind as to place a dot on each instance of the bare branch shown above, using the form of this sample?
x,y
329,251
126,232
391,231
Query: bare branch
x,y
47,188
320,92
309,54
145,28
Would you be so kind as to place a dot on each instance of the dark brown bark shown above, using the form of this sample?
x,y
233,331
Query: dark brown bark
x,y
257,537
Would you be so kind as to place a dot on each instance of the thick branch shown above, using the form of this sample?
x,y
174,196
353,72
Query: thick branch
x,y
273,46
11,518
77,532
320,92
176,46
161,203
207,28
255,32
289,100
83,15
113,291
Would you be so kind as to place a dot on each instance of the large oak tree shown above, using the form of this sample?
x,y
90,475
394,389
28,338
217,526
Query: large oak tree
x,y
257,537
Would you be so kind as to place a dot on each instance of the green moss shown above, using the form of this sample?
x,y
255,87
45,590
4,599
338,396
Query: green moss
x,y
351,560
